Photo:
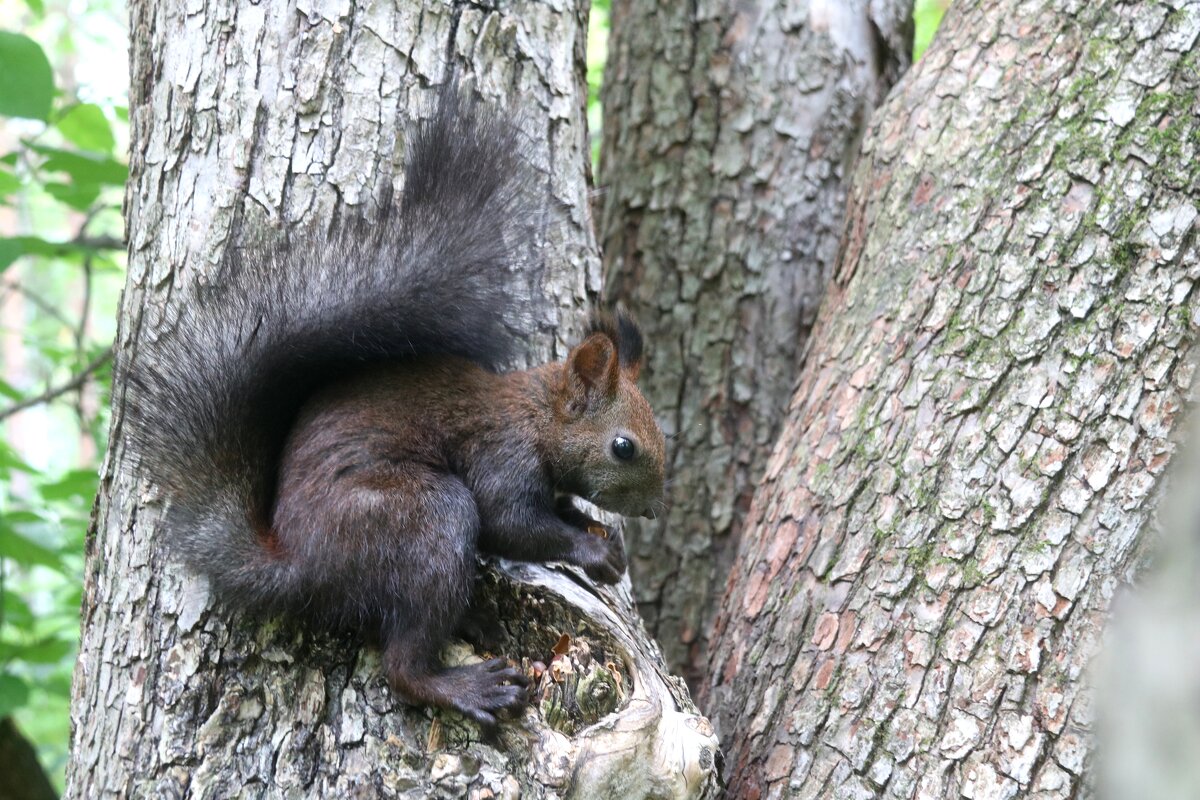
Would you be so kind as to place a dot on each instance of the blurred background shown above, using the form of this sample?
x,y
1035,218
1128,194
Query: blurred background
x,y
63,79
63,144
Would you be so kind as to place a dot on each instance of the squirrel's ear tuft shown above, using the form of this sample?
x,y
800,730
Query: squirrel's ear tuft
x,y
592,371
625,334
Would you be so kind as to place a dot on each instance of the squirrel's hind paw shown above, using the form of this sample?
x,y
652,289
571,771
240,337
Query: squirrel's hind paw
x,y
481,691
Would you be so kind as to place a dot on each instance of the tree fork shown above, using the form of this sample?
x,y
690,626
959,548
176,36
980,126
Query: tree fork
x,y
729,132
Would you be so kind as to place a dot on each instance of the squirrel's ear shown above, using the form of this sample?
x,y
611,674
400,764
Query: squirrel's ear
x,y
592,373
624,333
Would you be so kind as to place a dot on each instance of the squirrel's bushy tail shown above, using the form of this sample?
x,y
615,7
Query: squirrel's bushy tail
x,y
211,400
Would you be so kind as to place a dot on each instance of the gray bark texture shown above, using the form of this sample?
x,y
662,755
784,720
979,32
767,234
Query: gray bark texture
x,y
975,450
247,119
729,131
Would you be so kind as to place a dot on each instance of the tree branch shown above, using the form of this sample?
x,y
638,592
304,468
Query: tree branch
x,y
100,242
56,391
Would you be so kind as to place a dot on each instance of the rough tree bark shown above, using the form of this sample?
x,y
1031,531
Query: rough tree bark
x,y
729,129
980,429
247,118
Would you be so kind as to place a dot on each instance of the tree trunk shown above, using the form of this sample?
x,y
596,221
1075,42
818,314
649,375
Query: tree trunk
x,y
978,437
247,119
729,130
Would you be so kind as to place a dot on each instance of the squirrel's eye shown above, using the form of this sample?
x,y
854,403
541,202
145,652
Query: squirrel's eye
x,y
623,448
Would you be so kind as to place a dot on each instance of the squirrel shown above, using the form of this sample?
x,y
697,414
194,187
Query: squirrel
x,y
334,437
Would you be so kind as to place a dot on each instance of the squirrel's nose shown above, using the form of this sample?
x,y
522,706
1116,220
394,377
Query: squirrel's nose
x,y
649,513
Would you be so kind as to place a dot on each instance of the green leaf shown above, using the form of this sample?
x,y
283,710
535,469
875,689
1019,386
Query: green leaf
x,y
105,263
17,612
37,7
26,80
927,16
57,685
26,551
79,483
9,183
13,247
86,126
25,517
83,167
73,599
10,391
78,196
74,534
13,694
50,650
10,460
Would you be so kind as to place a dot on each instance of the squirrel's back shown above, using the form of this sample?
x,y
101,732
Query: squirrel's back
x,y
211,400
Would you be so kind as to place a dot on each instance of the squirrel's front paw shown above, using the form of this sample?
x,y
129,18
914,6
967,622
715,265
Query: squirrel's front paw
x,y
603,558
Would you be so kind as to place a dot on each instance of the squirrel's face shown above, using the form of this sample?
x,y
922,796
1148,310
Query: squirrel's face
x,y
610,450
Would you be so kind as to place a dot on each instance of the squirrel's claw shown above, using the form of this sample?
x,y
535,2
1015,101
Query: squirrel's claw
x,y
605,561
489,688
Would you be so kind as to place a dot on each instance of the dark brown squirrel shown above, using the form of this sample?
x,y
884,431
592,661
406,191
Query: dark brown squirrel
x,y
334,437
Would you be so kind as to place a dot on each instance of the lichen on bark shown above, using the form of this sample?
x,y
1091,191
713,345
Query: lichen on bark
x,y
975,448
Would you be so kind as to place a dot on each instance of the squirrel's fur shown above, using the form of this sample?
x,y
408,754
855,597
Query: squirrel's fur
x,y
332,437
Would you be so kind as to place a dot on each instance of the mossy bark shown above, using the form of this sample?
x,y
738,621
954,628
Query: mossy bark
x,y
976,447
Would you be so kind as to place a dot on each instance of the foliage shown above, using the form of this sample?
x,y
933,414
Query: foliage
x,y
927,16
61,256
597,55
